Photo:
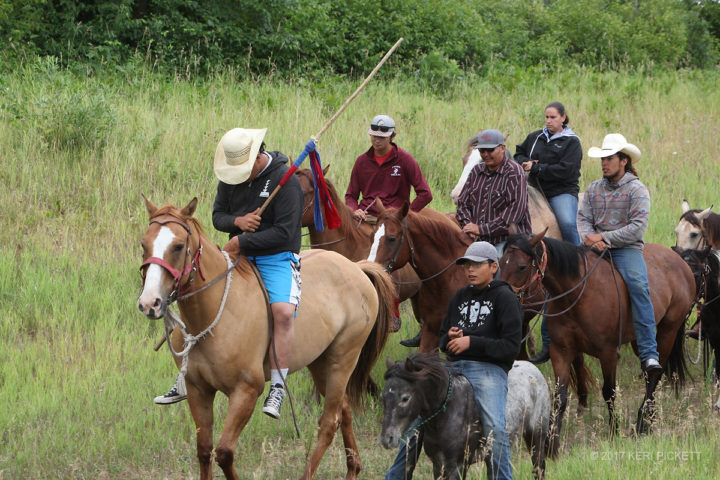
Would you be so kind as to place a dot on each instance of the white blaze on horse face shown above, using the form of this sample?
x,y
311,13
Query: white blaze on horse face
x,y
376,243
153,275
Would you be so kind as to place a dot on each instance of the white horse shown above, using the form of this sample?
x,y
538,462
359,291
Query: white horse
x,y
541,215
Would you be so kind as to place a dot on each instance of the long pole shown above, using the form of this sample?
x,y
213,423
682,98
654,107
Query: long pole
x,y
330,122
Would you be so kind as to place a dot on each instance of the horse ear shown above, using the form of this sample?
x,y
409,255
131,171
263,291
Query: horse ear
x,y
189,209
151,208
685,206
379,205
389,363
705,213
535,239
409,364
325,170
405,209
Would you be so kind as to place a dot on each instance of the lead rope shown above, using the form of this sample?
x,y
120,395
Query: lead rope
x,y
173,320
443,407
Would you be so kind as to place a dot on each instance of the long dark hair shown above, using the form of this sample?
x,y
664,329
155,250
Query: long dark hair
x,y
629,166
561,110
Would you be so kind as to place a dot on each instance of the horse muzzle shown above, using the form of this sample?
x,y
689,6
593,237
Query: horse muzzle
x,y
152,307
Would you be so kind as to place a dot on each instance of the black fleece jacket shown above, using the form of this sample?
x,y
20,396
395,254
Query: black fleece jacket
x,y
558,168
491,317
280,227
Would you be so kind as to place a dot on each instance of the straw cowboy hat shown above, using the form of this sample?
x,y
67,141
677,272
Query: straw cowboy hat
x,y
235,154
613,143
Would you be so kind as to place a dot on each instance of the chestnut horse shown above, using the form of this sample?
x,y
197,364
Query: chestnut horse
x,y
589,300
340,329
352,239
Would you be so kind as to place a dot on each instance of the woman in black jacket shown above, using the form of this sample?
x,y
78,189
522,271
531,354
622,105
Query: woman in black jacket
x,y
552,157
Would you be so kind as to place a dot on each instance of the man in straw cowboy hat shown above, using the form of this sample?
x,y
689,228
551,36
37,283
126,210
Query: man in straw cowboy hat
x,y
614,215
247,175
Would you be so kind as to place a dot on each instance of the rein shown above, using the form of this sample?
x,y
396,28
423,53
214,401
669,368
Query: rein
x,y
405,232
444,405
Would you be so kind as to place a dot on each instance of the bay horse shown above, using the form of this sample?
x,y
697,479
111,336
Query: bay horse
x,y
341,328
588,296
352,239
425,384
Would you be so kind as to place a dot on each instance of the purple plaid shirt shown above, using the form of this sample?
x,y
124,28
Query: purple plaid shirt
x,y
494,200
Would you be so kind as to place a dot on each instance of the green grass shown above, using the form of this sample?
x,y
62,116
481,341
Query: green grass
x,y
77,370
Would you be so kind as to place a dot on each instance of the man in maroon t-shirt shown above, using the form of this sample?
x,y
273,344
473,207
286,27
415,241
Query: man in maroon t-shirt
x,y
387,172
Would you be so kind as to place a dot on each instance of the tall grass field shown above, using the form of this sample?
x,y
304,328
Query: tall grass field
x,y
77,366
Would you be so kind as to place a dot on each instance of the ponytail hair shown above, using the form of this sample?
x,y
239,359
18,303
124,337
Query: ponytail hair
x,y
629,166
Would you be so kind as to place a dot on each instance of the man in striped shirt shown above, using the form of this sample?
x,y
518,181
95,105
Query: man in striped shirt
x,y
495,194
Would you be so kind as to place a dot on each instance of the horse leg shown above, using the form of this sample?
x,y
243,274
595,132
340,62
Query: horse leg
x,y
240,408
331,381
561,367
608,364
646,412
582,377
201,409
354,465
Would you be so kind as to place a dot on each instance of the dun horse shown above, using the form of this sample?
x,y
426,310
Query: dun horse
x,y
340,329
424,386
593,312
697,229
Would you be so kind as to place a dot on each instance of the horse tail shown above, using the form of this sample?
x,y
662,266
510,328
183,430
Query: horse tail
x,y
375,343
675,366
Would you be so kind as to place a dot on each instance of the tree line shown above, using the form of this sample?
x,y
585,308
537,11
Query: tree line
x,y
444,39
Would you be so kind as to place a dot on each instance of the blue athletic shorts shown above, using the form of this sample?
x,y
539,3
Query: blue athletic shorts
x,y
281,274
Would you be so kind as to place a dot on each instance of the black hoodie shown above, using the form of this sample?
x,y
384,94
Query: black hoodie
x,y
281,224
491,317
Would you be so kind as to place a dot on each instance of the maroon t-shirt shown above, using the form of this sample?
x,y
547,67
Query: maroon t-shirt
x,y
390,182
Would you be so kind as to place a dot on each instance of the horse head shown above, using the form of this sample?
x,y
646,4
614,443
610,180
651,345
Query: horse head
x,y
307,183
171,256
405,396
524,261
391,241
690,231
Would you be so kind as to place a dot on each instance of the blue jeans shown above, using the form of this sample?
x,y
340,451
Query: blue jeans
x,y
631,265
489,383
565,208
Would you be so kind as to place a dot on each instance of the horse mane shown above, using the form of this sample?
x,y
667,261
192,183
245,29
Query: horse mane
x,y
711,228
563,257
691,217
243,266
420,367
439,227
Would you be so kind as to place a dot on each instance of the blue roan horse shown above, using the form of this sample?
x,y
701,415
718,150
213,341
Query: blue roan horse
x,y
419,386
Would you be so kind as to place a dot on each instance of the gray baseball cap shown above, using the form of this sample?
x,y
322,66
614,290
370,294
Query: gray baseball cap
x,y
382,126
479,252
490,138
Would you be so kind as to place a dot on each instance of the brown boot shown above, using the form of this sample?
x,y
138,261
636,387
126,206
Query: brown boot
x,y
694,332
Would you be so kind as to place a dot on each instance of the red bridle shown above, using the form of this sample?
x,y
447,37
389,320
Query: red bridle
x,y
177,275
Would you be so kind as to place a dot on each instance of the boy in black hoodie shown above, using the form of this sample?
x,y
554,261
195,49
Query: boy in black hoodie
x,y
481,336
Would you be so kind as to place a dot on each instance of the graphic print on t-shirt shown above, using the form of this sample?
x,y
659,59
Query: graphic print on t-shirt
x,y
474,313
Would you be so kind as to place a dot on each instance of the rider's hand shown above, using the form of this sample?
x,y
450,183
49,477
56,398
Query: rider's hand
x,y
527,165
454,332
359,214
232,247
458,345
471,229
248,222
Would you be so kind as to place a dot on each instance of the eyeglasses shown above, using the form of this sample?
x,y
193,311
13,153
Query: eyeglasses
x,y
487,150
382,128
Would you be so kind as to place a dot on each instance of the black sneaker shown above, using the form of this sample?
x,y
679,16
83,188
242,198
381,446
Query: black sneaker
x,y
273,402
411,342
541,357
650,364
177,393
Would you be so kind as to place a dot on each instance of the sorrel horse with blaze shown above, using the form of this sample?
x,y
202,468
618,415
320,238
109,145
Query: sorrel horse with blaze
x,y
594,314
340,330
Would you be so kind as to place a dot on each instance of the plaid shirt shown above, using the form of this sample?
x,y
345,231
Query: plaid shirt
x,y
495,199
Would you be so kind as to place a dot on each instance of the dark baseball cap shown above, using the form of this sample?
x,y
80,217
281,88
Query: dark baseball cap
x,y
490,138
